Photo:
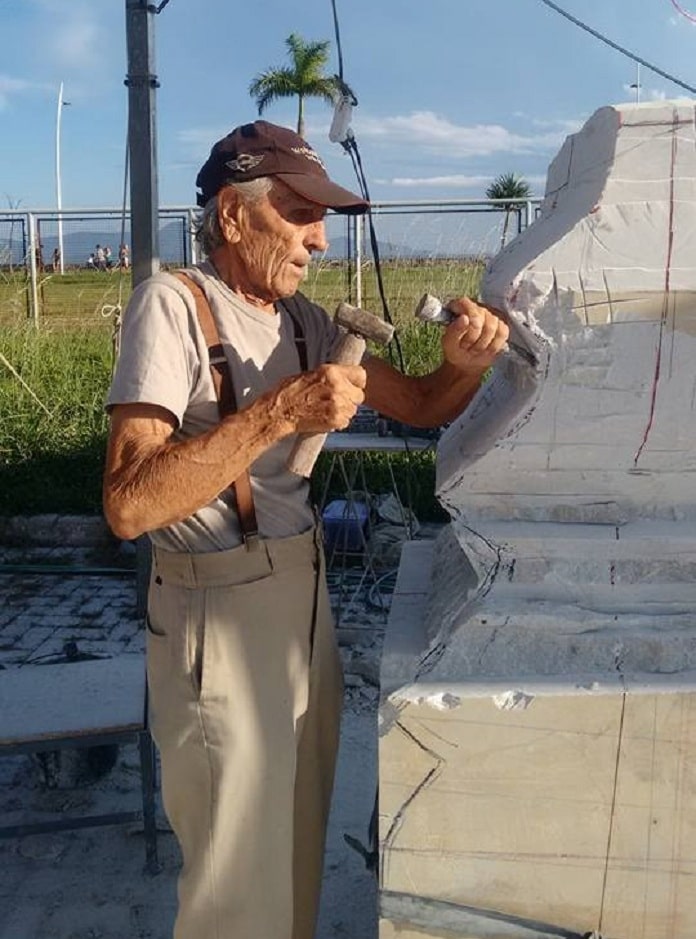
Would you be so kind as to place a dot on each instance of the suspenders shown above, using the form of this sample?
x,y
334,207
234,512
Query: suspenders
x,y
292,307
224,389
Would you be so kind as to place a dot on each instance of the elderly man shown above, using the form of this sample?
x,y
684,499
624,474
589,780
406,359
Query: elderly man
x,y
221,367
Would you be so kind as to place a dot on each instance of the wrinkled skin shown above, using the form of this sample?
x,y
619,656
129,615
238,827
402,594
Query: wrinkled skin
x,y
152,480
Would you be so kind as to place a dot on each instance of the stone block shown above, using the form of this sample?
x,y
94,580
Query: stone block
x,y
537,753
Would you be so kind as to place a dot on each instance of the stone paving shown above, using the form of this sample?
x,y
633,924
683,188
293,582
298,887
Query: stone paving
x,y
68,585
41,612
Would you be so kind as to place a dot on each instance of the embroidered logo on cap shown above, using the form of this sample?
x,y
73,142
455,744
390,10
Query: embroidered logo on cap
x,y
309,153
244,162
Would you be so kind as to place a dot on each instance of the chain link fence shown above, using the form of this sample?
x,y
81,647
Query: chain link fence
x,y
76,264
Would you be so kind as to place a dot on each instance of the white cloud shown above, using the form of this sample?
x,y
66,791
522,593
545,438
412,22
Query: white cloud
x,y
71,36
424,131
76,44
564,127
453,182
646,94
436,182
11,87
432,132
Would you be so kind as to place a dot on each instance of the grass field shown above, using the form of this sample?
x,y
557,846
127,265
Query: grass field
x,y
54,378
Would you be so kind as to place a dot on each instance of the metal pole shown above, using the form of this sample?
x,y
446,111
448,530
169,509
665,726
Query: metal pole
x,y
59,194
33,268
358,258
142,139
191,230
528,214
142,147
349,259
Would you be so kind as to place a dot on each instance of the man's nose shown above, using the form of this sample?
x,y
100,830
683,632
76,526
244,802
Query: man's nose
x,y
315,237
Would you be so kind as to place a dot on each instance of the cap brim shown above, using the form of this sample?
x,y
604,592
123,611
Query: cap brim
x,y
324,192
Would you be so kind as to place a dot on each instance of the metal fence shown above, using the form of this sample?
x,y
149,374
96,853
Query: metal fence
x,y
38,246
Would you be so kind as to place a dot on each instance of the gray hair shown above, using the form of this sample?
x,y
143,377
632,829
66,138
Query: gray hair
x,y
207,229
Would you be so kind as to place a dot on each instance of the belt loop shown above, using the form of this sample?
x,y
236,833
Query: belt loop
x,y
190,571
251,540
155,572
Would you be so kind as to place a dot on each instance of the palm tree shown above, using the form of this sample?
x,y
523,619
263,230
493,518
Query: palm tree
x,y
508,186
304,78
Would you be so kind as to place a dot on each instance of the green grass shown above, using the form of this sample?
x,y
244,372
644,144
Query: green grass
x,y
54,380
52,425
77,297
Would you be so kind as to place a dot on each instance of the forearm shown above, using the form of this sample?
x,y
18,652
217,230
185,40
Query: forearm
x,y
150,483
151,480
421,401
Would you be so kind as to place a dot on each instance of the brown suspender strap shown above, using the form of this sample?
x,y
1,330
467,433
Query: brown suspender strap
x,y
227,403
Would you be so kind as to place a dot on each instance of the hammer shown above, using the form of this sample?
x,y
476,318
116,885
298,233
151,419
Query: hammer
x,y
357,325
431,310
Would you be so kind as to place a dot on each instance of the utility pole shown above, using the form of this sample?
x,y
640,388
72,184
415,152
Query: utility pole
x,y
142,83
59,186
142,139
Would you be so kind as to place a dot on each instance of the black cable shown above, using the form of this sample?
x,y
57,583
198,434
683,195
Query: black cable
x,y
621,49
338,42
351,146
346,90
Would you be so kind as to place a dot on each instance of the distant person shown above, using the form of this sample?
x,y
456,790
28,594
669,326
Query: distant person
x,y
39,257
100,258
55,261
90,262
107,257
124,257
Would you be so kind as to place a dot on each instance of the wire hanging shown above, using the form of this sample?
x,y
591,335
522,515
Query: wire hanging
x,y
350,145
621,49
683,12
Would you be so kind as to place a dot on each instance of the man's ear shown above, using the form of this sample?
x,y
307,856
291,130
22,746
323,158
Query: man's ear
x,y
228,214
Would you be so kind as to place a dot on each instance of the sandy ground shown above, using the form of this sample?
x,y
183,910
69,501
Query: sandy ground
x,y
90,883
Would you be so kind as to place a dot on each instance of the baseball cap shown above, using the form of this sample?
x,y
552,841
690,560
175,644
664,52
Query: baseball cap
x,y
263,149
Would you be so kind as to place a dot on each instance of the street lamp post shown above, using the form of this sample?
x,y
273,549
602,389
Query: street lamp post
x,y
59,196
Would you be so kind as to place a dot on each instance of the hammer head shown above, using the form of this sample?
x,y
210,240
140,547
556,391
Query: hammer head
x,y
364,324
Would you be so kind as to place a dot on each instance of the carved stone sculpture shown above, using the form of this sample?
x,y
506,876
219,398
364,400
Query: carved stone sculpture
x,y
538,716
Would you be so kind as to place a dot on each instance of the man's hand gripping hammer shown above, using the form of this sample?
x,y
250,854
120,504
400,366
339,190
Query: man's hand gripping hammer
x,y
358,326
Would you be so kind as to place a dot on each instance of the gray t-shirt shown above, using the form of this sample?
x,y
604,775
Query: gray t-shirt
x,y
164,361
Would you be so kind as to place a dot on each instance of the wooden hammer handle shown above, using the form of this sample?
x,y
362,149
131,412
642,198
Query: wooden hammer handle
x,y
308,446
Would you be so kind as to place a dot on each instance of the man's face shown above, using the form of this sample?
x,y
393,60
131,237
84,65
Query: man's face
x,y
278,233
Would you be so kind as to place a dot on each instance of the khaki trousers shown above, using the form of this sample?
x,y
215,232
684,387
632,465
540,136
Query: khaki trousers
x,y
245,696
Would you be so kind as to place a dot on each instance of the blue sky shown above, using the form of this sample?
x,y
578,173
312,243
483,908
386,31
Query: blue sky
x,y
451,92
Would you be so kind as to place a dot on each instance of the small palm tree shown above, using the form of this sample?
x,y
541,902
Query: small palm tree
x,y
508,186
304,78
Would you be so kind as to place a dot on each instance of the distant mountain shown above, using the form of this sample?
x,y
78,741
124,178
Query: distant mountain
x,y
338,250
79,244
80,239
